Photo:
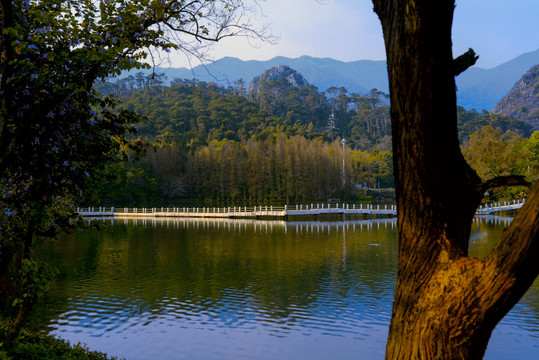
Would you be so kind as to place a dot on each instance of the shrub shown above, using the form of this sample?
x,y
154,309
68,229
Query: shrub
x,y
30,346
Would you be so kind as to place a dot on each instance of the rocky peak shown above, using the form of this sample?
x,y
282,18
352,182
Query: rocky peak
x,y
522,102
283,74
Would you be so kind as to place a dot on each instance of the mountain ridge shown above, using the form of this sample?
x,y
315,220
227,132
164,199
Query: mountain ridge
x,y
477,88
483,88
321,72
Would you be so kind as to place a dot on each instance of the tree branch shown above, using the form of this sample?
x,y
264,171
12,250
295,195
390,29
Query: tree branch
x,y
464,61
512,180
512,265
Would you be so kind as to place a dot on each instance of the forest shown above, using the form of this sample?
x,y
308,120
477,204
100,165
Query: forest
x,y
213,145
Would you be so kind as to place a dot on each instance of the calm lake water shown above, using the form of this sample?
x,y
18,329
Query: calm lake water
x,y
243,289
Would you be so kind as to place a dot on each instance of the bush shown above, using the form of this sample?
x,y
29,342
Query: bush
x,y
38,347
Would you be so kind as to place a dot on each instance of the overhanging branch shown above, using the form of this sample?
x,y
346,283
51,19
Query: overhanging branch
x,y
500,181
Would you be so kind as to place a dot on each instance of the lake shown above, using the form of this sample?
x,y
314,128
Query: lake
x,y
245,289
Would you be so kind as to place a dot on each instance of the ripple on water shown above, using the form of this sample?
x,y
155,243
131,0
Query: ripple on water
x,y
234,315
292,298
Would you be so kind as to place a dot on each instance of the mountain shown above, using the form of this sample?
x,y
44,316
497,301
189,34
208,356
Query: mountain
x,y
477,88
281,72
522,102
356,76
482,89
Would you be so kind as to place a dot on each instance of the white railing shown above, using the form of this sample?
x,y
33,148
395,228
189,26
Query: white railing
x,y
308,209
254,211
86,211
502,206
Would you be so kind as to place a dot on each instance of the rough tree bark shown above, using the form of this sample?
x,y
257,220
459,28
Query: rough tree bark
x,y
446,303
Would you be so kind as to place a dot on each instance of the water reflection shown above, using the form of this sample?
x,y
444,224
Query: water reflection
x,y
241,289
259,225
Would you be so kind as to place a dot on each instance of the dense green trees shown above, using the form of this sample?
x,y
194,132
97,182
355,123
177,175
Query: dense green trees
x,y
191,113
209,126
492,154
277,170
472,121
372,168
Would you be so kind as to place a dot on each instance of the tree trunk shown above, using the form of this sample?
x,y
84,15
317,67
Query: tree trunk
x,y
446,304
22,314
27,299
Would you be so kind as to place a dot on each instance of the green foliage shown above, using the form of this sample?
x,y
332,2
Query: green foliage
x,y
190,114
36,277
471,121
36,347
123,184
210,125
371,127
371,168
492,153
281,170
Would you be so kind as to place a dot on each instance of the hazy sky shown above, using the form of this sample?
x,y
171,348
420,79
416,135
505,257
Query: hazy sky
x,y
348,30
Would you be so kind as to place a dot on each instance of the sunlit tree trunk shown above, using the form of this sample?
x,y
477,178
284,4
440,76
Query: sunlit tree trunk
x,y
446,304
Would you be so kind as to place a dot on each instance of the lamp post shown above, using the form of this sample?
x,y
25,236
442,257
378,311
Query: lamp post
x,y
343,141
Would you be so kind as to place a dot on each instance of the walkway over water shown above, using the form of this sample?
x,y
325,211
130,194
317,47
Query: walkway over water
x,y
284,212
505,206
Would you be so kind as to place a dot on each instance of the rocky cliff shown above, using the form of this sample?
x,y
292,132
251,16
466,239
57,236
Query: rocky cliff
x,y
522,102
282,74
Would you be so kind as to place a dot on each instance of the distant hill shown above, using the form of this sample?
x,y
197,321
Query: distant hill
x,y
477,88
483,89
522,102
356,76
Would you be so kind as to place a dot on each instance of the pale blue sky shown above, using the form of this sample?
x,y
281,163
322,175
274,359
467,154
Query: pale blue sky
x,y
348,30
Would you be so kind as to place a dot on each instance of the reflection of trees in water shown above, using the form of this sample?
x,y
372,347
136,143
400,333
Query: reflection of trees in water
x,y
272,268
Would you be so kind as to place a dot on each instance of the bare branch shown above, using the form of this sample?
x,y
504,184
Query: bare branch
x,y
193,27
464,61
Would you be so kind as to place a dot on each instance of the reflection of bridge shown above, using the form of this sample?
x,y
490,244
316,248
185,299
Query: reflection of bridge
x,y
299,226
264,212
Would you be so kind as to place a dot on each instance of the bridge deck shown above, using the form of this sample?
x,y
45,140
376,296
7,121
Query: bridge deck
x,y
259,212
